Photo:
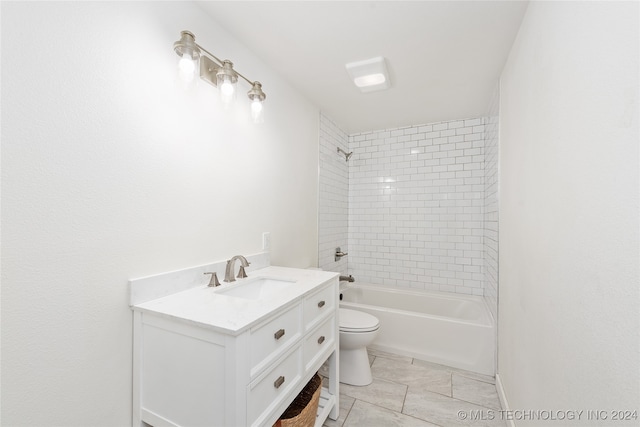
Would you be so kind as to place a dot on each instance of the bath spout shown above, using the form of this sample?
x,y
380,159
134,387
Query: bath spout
x,y
348,278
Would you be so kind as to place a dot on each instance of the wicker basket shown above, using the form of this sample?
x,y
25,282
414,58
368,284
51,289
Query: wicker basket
x,y
304,408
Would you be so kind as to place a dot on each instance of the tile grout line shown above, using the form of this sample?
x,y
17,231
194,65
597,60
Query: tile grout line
x,y
474,403
348,412
471,377
406,391
451,382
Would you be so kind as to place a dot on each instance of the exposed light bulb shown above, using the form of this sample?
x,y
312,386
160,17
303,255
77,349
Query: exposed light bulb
x,y
227,92
256,106
187,67
257,110
227,88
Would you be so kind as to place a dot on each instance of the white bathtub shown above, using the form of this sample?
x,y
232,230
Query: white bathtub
x,y
450,329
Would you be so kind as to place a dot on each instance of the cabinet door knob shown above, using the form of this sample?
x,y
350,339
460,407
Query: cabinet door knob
x,y
277,383
279,334
321,339
321,304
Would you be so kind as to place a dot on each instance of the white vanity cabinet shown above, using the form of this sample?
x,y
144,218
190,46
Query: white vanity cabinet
x,y
194,368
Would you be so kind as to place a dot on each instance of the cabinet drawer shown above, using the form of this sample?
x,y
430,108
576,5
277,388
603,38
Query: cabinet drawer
x,y
318,341
268,391
270,339
319,304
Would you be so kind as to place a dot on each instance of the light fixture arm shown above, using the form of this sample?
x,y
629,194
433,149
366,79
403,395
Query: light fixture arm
x,y
219,62
245,79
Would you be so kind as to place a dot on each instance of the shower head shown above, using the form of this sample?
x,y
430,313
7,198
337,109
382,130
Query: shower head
x,y
347,156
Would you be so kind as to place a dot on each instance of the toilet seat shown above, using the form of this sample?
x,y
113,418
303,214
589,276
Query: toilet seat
x,y
357,321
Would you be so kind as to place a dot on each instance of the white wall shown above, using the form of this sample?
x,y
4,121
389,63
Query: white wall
x,y
569,238
415,206
110,171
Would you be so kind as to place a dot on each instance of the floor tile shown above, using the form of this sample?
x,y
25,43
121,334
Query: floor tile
x,y
346,402
410,392
380,392
371,358
449,412
424,378
364,414
324,370
380,353
468,374
474,391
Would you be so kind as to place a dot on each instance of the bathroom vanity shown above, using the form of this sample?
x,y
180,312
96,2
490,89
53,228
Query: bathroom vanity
x,y
236,354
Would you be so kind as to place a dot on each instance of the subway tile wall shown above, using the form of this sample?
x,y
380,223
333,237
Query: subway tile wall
x,y
333,197
416,199
491,191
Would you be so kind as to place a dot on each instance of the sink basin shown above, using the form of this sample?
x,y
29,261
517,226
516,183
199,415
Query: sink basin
x,y
259,288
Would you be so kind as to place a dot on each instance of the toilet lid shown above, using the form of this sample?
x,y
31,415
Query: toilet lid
x,y
357,321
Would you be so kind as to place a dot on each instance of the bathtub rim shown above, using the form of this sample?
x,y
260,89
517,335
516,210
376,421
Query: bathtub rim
x,y
487,318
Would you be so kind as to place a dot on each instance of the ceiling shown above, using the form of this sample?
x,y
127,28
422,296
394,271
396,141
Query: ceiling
x,y
444,57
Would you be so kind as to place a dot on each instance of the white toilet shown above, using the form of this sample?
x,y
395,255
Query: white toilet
x,y
357,330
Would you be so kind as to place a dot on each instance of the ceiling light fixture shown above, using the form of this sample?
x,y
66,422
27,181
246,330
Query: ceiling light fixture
x,y
369,75
219,73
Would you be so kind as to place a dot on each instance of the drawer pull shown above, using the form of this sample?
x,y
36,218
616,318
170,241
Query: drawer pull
x,y
321,339
277,383
321,304
279,334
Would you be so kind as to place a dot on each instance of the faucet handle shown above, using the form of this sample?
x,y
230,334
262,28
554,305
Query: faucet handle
x,y
214,279
339,254
242,274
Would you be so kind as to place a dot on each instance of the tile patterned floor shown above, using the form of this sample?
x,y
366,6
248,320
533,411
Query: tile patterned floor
x,y
413,393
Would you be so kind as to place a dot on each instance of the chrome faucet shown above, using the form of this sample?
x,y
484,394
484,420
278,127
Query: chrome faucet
x,y
228,273
348,278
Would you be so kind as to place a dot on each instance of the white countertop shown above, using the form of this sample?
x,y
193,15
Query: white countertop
x,y
208,307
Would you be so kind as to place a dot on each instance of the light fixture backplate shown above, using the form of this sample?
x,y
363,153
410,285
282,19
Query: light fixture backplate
x,y
208,70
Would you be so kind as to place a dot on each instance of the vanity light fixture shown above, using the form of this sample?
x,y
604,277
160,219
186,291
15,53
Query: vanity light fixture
x,y
219,73
369,75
